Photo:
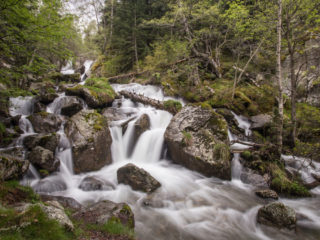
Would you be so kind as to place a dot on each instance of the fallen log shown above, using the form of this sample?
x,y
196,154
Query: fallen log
x,y
250,144
124,76
147,101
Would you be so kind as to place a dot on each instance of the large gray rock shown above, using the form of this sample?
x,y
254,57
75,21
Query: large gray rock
x,y
103,211
267,193
48,185
66,202
197,138
277,215
44,122
91,141
47,141
137,178
249,176
12,167
43,159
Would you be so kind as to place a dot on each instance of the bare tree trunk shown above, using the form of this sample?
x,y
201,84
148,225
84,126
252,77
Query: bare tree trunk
x,y
111,21
135,38
279,77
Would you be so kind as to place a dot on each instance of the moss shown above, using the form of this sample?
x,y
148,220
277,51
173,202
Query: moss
x,y
33,224
15,92
282,184
44,172
187,138
13,191
221,151
2,128
100,85
172,106
99,121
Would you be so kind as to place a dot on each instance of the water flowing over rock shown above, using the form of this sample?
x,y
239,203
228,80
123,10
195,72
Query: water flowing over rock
x,y
266,193
197,138
277,215
91,141
47,141
12,167
99,213
44,122
43,159
92,183
261,121
232,122
137,178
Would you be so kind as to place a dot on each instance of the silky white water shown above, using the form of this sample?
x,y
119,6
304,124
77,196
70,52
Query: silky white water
x,y
187,205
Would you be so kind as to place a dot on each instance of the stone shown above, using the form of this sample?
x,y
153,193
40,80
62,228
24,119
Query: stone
x,y
197,138
39,107
92,183
66,202
140,126
47,141
93,98
249,176
49,186
12,167
267,193
47,97
103,211
137,178
72,108
81,69
43,159
277,215
261,121
59,77
14,151
91,138
232,122
44,122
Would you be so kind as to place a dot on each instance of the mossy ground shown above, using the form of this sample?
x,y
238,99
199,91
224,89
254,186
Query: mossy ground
x,y
172,106
34,224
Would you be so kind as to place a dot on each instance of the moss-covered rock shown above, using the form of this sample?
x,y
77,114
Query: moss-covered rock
x,y
197,138
97,92
172,106
12,167
89,132
44,122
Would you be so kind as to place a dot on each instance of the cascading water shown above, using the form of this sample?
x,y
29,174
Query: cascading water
x,y
187,205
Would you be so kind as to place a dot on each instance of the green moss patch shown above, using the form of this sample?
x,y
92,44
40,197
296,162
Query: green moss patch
x,y
172,106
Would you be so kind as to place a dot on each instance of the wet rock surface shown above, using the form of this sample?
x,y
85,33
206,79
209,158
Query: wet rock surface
x,y
277,215
140,126
92,183
66,202
72,107
261,121
197,138
47,141
267,193
91,140
137,178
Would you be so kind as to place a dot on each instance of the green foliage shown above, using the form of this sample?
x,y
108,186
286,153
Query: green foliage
x,y
100,85
12,190
114,227
172,106
221,151
187,138
33,224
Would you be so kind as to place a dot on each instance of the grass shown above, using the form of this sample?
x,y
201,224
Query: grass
x,y
172,106
100,85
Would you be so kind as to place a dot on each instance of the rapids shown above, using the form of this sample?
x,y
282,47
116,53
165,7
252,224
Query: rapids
x,y
188,205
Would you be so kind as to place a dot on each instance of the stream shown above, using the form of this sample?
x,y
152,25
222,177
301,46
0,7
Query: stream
x,y
188,205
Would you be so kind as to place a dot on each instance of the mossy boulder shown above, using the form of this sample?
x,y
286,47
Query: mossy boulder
x,y
69,78
47,141
172,106
97,92
12,167
140,126
197,138
91,140
277,215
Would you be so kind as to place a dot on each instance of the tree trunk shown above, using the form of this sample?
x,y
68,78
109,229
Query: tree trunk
x,y
135,38
279,78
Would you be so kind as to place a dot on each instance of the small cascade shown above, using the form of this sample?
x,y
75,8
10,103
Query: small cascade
x,y
67,69
243,123
87,65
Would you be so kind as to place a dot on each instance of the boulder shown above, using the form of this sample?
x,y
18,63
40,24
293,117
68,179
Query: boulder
x,y
66,202
103,211
47,141
137,178
94,99
12,167
94,183
277,215
39,107
261,121
72,107
91,141
44,122
267,193
249,176
44,160
59,77
232,122
49,185
114,114
140,126
47,97
81,69
197,138
14,151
